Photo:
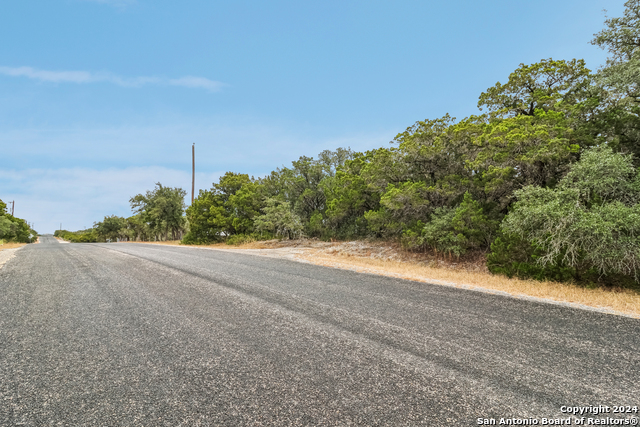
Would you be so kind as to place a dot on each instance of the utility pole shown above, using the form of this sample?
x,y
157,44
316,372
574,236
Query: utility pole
x,y
13,206
193,170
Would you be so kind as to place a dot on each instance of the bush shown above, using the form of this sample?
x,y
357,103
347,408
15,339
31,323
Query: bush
x,y
589,224
279,220
453,231
514,257
239,239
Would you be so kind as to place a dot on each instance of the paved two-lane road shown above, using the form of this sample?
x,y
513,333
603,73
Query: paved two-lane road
x,y
132,334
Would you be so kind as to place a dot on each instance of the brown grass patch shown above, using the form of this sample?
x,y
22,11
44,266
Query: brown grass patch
x,y
11,246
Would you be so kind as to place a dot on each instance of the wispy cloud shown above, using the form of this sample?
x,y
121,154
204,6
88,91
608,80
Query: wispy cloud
x,y
78,197
84,77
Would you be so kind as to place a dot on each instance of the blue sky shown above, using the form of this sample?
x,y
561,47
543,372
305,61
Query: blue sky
x,y
100,99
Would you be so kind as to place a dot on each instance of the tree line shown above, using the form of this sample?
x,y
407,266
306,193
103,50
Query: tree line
x,y
544,180
14,229
158,215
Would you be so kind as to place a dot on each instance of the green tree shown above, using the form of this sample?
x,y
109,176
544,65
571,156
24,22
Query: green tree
x,y
457,230
279,219
111,228
225,210
620,77
546,85
137,229
162,209
489,157
348,197
621,37
7,228
305,185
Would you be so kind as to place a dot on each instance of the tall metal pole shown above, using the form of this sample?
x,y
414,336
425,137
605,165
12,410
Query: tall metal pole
x,y
193,171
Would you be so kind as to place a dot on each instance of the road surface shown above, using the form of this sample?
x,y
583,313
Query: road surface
x,y
149,335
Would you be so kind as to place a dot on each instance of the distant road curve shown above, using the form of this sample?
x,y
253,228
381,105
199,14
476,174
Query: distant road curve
x,y
121,334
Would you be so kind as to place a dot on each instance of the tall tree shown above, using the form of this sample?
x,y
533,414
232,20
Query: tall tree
x,y
548,84
621,37
111,227
162,209
621,78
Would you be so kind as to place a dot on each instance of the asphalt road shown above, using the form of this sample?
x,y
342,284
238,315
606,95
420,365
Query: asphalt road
x,y
145,335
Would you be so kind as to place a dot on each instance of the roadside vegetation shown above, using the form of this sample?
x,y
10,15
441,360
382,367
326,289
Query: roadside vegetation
x,y
14,230
544,182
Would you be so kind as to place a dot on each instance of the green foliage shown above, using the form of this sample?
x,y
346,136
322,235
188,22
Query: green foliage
x,y
162,210
514,256
546,85
228,208
15,229
316,225
349,196
80,236
137,229
111,228
86,237
620,80
456,230
8,228
306,185
590,222
620,37
438,161
279,219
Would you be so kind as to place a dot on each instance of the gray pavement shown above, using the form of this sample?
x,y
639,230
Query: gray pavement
x,y
145,335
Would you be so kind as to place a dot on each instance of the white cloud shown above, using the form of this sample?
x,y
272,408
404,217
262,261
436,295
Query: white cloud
x,y
84,77
78,197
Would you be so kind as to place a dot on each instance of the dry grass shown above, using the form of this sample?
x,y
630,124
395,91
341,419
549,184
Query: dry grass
x,y
620,300
11,246
389,260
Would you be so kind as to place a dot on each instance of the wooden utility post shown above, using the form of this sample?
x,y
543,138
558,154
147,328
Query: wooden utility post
x,y
193,171
13,206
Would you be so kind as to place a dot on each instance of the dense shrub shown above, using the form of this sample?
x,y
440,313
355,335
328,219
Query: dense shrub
x,y
589,224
